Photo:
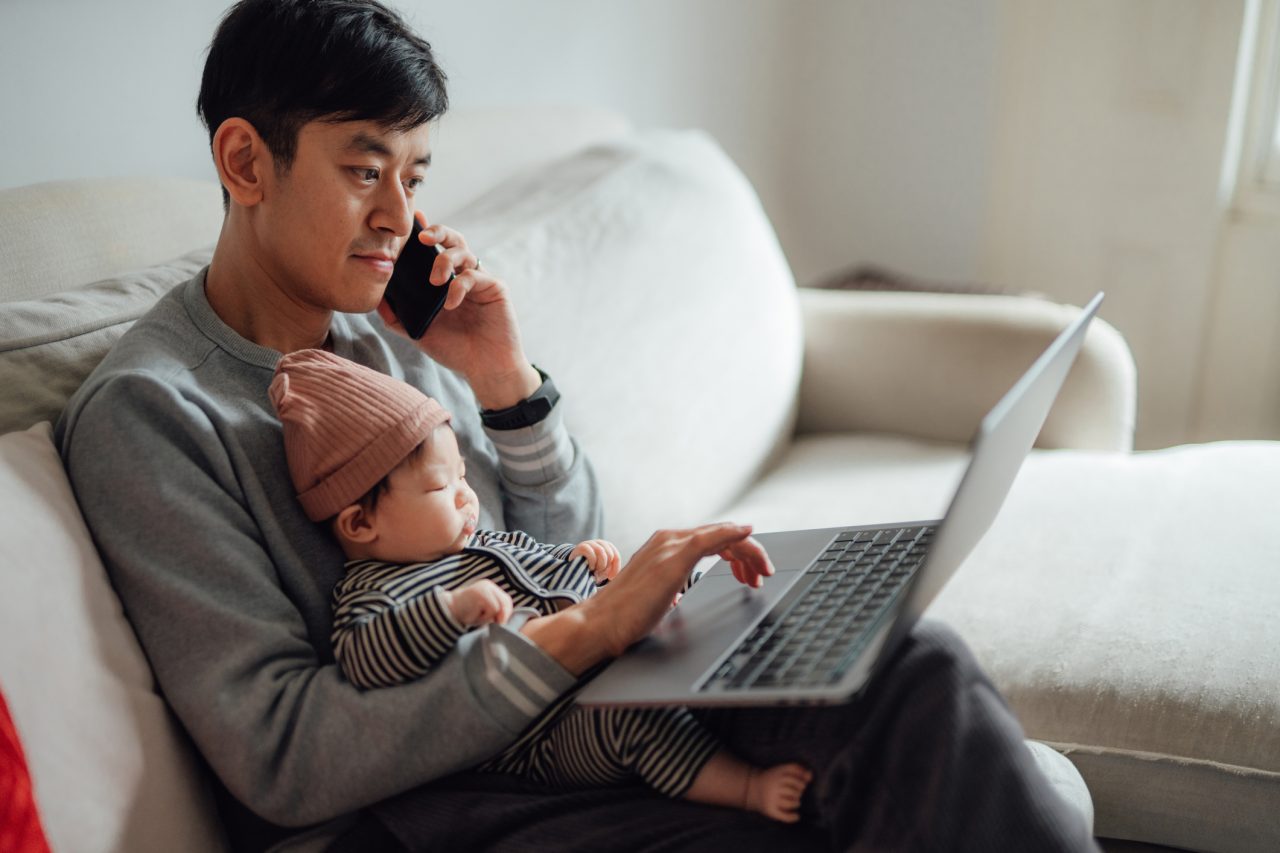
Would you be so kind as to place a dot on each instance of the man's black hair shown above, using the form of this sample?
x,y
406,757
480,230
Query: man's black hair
x,y
279,64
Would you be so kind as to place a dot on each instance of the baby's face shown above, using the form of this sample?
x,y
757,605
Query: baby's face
x,y
428,510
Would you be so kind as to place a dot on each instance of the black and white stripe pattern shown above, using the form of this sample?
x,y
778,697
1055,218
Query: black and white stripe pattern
x,y
577,747
390,624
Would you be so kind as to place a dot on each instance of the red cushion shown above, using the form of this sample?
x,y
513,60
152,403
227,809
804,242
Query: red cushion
x,y
20,829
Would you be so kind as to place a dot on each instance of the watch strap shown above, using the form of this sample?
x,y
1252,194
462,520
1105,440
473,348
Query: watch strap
x,y
529,411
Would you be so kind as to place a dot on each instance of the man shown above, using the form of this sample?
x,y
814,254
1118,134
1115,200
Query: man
x,y
319,114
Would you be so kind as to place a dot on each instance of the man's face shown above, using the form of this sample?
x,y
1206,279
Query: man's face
x,y
333,225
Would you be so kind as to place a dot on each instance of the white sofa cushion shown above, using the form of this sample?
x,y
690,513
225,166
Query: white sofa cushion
x,y
49,344
1122,603
650,284
63,234
111,768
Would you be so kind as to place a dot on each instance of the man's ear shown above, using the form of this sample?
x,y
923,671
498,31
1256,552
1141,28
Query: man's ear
x,y
353,524
242,160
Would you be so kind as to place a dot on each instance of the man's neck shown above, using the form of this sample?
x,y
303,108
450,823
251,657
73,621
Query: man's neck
x,y
245,296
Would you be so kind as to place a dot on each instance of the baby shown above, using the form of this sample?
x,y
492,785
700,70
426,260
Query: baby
x,y
377,460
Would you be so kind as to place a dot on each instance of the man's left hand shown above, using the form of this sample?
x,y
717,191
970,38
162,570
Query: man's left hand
x,y
476,333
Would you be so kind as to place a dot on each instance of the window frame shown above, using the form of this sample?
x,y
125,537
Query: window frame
x,y
1257,145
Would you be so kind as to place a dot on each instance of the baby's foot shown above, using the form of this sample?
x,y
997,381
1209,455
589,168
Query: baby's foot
x,y
776,792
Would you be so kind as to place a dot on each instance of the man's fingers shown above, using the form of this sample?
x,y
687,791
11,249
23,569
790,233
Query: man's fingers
x,y
713,538
752,555
458,291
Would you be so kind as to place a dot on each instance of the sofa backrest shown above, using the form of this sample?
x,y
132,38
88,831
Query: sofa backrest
x,y
642,265
59,235
643,269
651,285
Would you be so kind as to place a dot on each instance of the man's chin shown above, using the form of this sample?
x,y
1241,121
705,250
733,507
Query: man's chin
x,y
358,298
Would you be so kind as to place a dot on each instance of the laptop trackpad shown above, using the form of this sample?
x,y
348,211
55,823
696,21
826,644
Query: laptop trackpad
x,y
663,667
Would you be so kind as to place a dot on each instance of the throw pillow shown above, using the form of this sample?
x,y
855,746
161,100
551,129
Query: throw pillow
x,y
20,830
49,345
111,768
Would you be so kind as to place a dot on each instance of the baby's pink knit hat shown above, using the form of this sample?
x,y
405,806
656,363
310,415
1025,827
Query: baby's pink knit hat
x,y
345,427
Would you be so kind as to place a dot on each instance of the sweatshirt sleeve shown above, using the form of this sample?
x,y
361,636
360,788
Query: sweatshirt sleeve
x,y
229,648
381,640
550,490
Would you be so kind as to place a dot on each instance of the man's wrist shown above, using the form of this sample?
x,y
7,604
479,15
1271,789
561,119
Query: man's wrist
x,y
531,409
503,390
568,637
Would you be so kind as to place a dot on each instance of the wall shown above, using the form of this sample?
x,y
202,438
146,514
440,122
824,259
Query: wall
x,y
1110,141
1048,145
835,110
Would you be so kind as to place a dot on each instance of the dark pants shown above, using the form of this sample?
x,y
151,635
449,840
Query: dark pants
x,y
930,758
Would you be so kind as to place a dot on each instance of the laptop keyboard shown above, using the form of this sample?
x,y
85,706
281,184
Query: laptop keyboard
x,y
816,631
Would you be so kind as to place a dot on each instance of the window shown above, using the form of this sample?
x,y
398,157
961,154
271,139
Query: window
x,y
1252,164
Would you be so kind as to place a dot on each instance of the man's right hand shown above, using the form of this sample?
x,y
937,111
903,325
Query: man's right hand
x,y
633,604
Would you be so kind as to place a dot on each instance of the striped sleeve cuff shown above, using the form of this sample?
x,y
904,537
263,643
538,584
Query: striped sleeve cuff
x,y
430,624
534,455
513,678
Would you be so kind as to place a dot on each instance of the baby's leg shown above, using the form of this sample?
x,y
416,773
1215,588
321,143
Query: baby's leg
x,y
665,748
727,781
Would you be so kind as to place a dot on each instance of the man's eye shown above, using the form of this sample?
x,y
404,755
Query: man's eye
x,y
366,174
413,183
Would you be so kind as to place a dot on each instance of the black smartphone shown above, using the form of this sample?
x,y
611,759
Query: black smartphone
x,y
410,293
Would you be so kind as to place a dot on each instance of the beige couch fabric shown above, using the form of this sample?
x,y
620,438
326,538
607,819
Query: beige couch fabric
x,y
64,234
111,768
650,284
931,365
50,344
1124,603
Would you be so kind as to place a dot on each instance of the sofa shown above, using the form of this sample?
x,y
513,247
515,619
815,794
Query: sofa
x,y
1122,601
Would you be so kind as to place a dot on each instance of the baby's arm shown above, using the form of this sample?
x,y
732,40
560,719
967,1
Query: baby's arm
x,y
380,639
601,558
478,603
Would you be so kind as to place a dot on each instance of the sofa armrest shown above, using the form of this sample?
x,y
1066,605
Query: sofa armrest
x,y
931,365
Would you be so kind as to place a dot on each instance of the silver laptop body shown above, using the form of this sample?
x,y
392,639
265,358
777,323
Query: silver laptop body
x,y
723,643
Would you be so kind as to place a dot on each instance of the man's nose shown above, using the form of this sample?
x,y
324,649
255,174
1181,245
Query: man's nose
x,y
394,212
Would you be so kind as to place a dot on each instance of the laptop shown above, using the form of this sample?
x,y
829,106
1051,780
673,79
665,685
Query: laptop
x,y
841,598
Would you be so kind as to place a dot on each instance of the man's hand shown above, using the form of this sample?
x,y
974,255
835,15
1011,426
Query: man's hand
x,y
479,604
626,610
602,558
744,559
476,333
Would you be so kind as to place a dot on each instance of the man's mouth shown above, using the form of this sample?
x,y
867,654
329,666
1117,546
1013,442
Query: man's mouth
x,y
381,262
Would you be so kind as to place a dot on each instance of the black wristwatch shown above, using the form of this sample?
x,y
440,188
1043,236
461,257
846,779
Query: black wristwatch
x,y
529,411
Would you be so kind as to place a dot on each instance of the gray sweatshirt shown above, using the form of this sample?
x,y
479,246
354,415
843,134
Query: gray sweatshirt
x,y
176,458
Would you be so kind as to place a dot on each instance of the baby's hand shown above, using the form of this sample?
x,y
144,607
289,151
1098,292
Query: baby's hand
x,y
602,558
479,603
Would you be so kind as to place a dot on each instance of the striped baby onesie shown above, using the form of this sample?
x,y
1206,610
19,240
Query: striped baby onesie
x,y
390,626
